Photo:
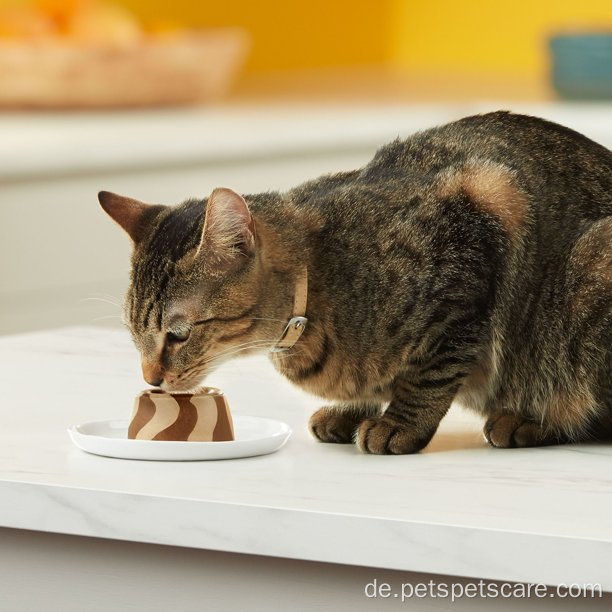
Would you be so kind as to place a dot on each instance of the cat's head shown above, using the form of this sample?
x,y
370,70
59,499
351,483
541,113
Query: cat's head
x,y
202,288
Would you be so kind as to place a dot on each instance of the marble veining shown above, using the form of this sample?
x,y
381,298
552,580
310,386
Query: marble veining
x,y
460,507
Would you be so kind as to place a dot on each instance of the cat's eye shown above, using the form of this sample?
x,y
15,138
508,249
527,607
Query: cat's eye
x,y
180,334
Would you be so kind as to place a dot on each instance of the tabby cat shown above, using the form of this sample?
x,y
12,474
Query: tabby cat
x,y
469,262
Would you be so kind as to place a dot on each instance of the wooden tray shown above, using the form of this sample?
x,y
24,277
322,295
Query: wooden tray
x,y
164,70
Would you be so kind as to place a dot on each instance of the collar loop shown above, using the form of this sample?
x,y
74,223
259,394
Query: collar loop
x,y
297,324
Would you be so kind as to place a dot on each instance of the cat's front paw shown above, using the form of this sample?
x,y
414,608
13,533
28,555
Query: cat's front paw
x,y
384,436
331,425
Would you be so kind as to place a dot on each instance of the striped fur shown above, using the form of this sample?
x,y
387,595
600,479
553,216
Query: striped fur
x,y
469,262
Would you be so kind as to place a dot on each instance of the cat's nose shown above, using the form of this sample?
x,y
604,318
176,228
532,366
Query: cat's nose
x,y
152,373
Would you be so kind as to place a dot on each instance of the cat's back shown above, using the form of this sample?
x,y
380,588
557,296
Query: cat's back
x,y
517,139
553,165
565,178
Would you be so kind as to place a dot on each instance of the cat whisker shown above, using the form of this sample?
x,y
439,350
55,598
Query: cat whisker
x,y
242,347
99,299
278,358
108,296
215,361
107,317
256,344
223,357
218,358
210,364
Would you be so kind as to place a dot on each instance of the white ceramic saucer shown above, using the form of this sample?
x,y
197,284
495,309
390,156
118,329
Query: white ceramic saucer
x,y
254,436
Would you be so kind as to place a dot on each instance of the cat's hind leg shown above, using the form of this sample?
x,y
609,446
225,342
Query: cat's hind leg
x,y
337,424
566,396
507,430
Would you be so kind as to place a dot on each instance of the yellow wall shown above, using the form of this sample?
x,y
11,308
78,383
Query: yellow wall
x,y
473,35
290,34
483,35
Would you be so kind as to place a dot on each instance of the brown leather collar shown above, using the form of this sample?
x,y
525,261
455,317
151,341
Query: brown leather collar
x,y
297,324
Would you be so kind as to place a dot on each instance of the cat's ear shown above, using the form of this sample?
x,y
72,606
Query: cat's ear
x,y
128,213
229,229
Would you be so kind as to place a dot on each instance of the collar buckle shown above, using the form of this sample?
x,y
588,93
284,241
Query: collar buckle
x,y
291,334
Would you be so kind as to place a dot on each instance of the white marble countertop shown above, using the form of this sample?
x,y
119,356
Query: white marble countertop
x,y
461,508
43,144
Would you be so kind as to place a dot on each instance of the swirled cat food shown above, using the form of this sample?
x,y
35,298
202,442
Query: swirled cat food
x,y
201,416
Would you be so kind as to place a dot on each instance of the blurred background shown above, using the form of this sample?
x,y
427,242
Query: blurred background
x,y
163,101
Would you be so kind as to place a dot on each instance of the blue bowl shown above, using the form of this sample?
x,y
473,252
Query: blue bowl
x,y
582,65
